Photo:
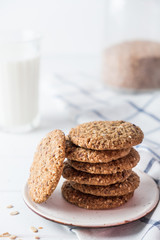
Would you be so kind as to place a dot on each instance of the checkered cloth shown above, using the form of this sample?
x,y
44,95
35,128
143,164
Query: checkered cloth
x,y
84,99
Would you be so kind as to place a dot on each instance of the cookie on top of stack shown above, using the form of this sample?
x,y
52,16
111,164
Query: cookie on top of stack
x,y
100,158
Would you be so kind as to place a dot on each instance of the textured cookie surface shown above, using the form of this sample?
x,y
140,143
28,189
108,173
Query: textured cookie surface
x,y
117,189
103,135
118,165
76,153
93,179
92,202
47,166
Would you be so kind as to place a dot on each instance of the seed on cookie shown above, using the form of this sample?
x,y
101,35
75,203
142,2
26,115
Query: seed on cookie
x,y
79,154
90,201
47,166
117,189
119,165
93,179
103,135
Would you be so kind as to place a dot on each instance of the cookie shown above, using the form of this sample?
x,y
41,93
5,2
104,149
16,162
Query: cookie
x,y
47,166
119,165
117,189
103,135
92,202
93,179
76,153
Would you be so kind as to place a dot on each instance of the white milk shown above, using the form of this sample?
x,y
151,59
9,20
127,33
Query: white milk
x,y
19,77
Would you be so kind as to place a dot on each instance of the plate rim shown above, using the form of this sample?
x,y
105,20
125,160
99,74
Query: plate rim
x,y
95,226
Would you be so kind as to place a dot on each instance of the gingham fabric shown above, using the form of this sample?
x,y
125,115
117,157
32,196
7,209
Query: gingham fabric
x,y
83,98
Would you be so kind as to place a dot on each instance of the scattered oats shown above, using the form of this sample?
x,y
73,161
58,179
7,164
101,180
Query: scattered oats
x,y
36,237
14,213
13,237
6,234
10,206
40,228
33,229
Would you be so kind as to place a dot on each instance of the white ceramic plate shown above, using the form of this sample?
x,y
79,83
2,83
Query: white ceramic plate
x,y
58,210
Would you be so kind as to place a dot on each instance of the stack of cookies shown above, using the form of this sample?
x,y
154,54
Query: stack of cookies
x,y
100,158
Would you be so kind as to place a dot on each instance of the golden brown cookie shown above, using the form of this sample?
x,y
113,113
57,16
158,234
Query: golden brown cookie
x,y
92,202
117,189
119,165
79,154
47,166
103,135
93,179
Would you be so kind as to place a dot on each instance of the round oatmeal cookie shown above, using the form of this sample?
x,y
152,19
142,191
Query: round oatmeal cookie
x,y
117,189
79,154
47,166
92,202
103,135
93,179
119,165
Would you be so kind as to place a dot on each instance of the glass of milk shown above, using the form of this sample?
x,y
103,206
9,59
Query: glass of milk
x,y
19,80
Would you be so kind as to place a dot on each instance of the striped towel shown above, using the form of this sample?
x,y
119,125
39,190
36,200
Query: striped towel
x,y
84,99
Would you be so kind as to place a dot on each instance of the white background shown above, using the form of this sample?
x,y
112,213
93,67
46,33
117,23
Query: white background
x,y
82,27
68,26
